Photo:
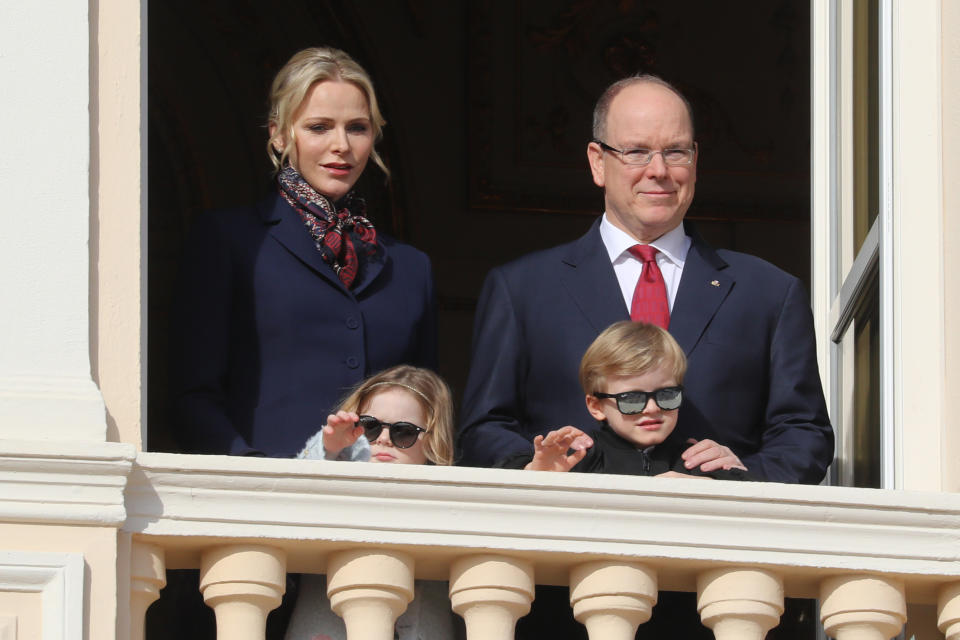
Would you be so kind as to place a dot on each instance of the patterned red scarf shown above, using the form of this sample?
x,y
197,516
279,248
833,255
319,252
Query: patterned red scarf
x,y
334,233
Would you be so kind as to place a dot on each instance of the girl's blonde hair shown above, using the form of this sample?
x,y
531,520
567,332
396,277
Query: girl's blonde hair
x,y
629,349
290,87
430,391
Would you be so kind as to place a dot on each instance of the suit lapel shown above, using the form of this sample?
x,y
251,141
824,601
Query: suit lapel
x,y
704,286
591,281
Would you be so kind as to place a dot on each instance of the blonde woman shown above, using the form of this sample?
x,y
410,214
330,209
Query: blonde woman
x,y
286,304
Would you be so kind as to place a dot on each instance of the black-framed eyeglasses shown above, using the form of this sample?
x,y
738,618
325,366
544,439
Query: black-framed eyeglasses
x,y
643,157
403,435
633,402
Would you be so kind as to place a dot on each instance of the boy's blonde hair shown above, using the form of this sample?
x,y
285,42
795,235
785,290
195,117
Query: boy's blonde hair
x,y
431,392
629,349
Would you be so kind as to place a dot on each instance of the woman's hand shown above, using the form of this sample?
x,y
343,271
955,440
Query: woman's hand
x,y
340,432
550,451
710,456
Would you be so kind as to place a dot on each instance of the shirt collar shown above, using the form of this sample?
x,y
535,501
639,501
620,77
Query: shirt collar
x,y
674,244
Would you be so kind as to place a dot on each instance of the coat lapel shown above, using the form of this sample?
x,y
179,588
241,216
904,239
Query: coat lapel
x,y
288,230
591,281
370,268
704,286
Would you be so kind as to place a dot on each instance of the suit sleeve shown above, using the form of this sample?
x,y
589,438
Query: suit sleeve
x,y
200,344
492,418
797,442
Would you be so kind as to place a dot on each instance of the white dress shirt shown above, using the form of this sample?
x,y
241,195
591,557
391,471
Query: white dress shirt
x,y
673,247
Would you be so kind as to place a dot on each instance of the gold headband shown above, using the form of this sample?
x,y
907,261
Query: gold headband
x,y
405,386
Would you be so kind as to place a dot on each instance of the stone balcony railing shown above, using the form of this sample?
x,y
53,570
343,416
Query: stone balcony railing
x,y
494,534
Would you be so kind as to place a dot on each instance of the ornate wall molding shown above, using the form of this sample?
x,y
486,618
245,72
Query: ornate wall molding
x,y
58,578
64,482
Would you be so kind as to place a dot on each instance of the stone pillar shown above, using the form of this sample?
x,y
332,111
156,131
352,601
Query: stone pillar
x,y
243,583
612,598
739,603
948,611
862,607
369,589
491,593
148,574
46,389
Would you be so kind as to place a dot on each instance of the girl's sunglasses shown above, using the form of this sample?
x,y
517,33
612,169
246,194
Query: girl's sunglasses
x,y
403,435
633,402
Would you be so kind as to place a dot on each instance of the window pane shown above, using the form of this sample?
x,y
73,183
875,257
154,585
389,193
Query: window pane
x,y
866,118
866,391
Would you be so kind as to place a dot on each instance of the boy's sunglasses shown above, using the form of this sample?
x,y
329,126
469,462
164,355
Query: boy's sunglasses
x,y
633,402
403,435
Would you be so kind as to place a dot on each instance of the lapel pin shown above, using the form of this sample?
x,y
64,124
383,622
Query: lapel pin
x,y
715,283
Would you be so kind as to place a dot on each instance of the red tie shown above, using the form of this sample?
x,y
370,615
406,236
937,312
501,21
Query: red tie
x,y
650,296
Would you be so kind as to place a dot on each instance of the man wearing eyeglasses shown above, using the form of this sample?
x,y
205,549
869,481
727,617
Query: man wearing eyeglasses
x,y
745,325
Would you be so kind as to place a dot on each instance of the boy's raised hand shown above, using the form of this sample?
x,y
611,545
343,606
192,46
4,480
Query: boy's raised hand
x,y
550,451
340,432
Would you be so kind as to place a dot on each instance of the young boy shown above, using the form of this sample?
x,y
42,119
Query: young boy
x,y
632,376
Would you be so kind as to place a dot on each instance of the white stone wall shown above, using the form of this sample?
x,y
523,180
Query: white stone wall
x,y
46,390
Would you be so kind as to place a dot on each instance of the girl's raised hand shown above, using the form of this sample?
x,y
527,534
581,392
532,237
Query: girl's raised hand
x,y
340,432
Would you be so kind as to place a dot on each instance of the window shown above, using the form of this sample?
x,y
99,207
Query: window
x,y
856,237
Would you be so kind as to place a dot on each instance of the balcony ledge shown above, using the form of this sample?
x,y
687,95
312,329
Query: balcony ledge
x,y
677,526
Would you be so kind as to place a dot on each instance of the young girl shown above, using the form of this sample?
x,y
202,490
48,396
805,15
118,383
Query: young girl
x,y
403,415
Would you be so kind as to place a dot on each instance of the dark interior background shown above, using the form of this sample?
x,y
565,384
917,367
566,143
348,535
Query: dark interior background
x,y
489,108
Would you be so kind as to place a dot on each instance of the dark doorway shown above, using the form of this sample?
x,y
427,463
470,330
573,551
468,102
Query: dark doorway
x,y
488,106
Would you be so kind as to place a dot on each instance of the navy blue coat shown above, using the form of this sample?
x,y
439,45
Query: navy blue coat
x,y
745,325
267,340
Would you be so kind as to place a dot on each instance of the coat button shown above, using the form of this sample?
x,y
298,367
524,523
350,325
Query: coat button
x,y
352,362
352,323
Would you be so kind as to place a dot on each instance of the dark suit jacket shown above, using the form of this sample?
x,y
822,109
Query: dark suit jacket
x,y
267,339
745,325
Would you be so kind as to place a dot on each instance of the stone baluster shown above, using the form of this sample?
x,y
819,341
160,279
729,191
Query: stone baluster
x,y
862,607
948,611
738,603
491,593
148,574
242,583
369,589
612,598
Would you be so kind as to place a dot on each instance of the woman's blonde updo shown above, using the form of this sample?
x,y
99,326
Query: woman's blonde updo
x,y
290,87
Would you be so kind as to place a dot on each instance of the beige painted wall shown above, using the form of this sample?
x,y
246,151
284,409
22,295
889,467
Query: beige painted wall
x,y
918,270
117,247
950,37
26,610
99,548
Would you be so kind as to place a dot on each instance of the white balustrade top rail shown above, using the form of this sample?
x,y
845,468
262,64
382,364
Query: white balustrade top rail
x,y
311,508
677,526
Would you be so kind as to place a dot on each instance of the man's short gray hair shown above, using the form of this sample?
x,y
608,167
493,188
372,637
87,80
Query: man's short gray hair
x,y
602,109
